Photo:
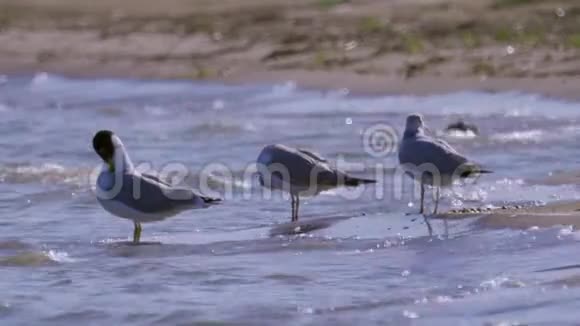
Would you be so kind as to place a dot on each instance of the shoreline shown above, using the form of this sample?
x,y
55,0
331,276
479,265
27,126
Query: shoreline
x,y
367,47
358,85
557,88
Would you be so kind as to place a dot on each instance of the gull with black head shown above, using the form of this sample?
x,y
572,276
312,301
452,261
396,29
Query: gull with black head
x,y
139,197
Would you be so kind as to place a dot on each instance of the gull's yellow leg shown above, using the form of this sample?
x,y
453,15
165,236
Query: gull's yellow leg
x,y
425,218
421,210
297,206
437,196
293,203
137,233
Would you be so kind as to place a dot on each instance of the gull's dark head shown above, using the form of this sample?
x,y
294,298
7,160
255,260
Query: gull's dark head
x,y
414,122
104,146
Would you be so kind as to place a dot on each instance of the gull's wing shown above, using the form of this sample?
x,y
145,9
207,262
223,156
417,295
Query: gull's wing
x,y
150,196
170,188
339,176
445,145
155,179
425,150
299,165
312,155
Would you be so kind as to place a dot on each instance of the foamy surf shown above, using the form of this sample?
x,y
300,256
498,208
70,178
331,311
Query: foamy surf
x,y
46,173
534,136
459,134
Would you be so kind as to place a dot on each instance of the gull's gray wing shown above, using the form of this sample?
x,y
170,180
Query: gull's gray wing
x,y
185,191
425,150
150,196
314,156
298,165
445,145
155,179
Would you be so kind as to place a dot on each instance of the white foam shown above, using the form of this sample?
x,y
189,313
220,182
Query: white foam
x,y
525,136
59,256
469,134
44,173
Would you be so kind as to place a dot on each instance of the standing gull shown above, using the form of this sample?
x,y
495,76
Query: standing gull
x,y
141,198
300,173
434,161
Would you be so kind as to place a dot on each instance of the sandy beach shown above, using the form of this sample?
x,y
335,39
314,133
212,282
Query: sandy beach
x,y
370,47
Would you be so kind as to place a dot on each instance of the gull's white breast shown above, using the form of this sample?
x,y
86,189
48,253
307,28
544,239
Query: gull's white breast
x,y
105,196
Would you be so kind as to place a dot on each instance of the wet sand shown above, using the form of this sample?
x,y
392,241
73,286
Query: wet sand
x,y
553,214
369,47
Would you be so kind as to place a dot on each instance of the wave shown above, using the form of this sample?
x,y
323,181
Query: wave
x,y
475,104
47,173
40,78
501,282
459,134
222,127
535,136
287,97
527,136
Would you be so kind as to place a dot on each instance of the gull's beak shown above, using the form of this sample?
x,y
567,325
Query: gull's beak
x,y
110,162
111,165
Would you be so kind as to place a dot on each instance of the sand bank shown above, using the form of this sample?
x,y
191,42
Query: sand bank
x,y
368,47
552,214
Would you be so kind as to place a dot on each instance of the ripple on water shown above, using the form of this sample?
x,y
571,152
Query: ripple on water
x,y
220,127
228,248
5,308
363,306
288,278
227,280
145,288
79,316
501,282
178,317
63,282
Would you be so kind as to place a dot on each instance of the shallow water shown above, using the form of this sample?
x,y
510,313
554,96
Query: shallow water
x,y
65,261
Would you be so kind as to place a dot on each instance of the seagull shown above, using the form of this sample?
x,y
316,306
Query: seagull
x,y
300,173
139,197
462,126
434,160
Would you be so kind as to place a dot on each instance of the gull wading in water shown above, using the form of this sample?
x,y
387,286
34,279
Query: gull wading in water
x,y
141,198
300,173
432,160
